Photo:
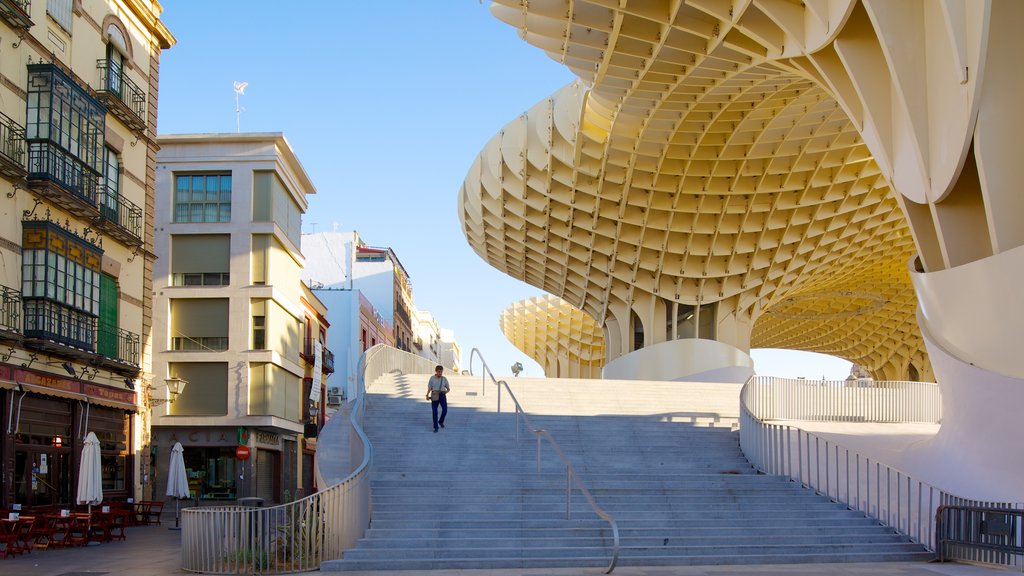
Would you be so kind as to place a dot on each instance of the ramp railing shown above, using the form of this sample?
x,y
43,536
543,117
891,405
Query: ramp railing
x,y
571,478
298,536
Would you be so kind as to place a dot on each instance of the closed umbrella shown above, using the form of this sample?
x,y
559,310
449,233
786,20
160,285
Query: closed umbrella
x,y
177,479
90,478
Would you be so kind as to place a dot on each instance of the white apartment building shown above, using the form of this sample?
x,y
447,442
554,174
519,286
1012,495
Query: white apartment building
x,y
232,318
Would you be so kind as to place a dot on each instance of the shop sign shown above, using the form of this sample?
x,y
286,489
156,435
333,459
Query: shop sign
x,y
96,391
267,439
242,452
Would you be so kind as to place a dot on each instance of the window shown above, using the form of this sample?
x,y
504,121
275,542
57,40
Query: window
x,y
116,47
199,324
202,198
207,390
60,11
200,259
60,284
259,332
111,189
211,472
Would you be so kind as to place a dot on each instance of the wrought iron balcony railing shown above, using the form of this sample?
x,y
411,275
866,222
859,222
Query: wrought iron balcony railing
x,y
10,309
12,147
122,96
16,13
328,362
119,216
117,344
50,321
48,163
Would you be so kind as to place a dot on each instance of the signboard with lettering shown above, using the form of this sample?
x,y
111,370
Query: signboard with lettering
x,y
318,353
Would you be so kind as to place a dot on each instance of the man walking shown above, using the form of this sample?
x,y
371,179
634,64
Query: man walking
x,y
437,391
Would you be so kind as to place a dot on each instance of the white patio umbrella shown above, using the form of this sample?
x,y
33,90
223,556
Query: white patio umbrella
x,y
90,479
177,479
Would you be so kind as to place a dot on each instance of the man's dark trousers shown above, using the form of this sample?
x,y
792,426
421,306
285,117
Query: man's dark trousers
x,y
443,401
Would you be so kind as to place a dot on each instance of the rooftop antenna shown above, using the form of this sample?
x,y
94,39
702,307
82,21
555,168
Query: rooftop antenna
x,y
239,91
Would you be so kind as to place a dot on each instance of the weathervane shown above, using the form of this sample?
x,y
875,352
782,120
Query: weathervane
x,y
239,91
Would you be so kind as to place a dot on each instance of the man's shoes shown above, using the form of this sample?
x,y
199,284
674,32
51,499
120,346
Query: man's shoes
x,y
435,430
442,424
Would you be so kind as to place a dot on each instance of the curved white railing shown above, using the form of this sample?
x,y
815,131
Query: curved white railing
x,y
878,490
571,478
298,536
844,400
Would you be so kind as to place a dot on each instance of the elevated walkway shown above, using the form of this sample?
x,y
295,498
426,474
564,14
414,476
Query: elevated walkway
x,y
662,457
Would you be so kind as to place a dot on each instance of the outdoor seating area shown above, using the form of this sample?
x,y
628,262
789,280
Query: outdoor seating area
x,y
59,526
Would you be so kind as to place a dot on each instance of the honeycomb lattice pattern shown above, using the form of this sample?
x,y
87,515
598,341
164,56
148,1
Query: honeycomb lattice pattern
x,y
566,342
685,167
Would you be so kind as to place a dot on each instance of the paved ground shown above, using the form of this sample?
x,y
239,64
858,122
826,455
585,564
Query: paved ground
x,y
155,551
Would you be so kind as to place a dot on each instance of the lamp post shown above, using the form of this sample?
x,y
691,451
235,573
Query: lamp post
x,y
175,386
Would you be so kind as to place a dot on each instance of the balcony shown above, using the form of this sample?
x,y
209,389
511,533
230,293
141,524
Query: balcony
x,y
66,333
116,347
119,217
12,148
62,178
15,13
122,97
328,362
10,312
52,327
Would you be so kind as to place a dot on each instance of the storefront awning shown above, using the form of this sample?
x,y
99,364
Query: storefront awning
x,y
58,393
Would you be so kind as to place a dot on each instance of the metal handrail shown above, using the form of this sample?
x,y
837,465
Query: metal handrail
x,y
298,536
571,476
880,491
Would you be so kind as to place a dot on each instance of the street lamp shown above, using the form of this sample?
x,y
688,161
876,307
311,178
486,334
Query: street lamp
x,y
175,386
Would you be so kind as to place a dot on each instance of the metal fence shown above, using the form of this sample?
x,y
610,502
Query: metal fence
x,y
843,400
980,534
298,536
891,496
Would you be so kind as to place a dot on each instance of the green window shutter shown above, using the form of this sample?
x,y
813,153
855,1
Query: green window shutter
x,y
107,338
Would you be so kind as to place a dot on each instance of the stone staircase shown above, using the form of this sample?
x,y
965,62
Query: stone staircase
x,y
662,457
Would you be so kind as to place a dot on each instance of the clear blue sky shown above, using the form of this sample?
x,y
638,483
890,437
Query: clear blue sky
x,y
386,105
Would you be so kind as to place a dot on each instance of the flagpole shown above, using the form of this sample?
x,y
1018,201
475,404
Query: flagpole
x,y
239,91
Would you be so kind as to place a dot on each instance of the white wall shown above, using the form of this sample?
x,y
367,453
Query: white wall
x,y
691,359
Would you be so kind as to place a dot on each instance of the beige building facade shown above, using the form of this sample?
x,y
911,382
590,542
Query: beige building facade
x,y
78,116
234,320
838,177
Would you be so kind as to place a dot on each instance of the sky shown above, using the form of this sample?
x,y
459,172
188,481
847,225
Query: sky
x,y
386,104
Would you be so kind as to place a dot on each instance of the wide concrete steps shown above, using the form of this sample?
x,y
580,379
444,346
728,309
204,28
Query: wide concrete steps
x,y
663,459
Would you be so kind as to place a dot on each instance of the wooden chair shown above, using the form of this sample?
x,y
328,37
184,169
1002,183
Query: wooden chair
x,y
78,530
156,508
9,537
118,521
24,529
142,510
42,530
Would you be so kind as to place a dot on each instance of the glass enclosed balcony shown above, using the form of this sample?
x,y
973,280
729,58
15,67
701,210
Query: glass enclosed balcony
x,y
16,13
64,130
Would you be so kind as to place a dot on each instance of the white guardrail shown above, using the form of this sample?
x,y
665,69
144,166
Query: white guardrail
x,y
880,491
300,535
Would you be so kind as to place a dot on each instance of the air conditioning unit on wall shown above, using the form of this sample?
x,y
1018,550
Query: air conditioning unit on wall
x,y
334,399
335,390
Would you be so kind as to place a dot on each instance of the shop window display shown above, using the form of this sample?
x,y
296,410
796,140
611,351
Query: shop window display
x,y
211,472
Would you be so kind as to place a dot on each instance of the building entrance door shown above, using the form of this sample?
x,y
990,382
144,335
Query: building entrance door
x,y
41,477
